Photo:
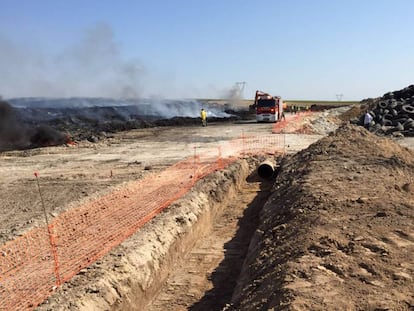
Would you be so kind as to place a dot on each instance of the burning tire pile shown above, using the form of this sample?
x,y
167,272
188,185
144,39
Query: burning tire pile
x,y
15,134
27,123
393,113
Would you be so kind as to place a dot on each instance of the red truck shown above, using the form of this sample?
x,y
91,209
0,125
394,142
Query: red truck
x,y
268,108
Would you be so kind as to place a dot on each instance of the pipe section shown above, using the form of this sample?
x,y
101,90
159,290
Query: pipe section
x,y
267,169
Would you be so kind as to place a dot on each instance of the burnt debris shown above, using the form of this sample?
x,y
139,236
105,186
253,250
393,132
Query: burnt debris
x,y
17,134
38,122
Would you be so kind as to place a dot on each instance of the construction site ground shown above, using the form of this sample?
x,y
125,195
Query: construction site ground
x,y
333,231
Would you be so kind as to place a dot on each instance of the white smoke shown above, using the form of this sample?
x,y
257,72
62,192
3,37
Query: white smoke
x,y
234,96
128,108
183,108
93,67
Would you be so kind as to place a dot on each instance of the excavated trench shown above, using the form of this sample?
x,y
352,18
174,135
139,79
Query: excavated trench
x,y
205,279
188,257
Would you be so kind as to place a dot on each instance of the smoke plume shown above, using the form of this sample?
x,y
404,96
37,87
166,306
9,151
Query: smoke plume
x,y
234,95
15,136
92,67
10,131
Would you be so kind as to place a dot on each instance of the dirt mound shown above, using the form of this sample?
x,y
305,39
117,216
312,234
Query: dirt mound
x,y
338,231
354,112
323,107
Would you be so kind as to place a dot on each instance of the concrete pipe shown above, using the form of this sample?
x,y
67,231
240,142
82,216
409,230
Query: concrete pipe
x,y
267,169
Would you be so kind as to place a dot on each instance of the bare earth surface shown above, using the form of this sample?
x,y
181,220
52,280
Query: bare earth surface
x,y
333,231
337,233
69,173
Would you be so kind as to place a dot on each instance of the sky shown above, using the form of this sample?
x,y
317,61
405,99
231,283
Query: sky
x,y
297,49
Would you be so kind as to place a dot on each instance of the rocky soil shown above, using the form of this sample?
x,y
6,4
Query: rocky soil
x,y
337,233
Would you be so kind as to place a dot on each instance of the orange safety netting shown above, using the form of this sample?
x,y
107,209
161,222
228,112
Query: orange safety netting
x,y
35,264
292,119
251,144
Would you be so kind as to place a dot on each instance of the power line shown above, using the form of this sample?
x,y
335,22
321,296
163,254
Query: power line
x,y
240,88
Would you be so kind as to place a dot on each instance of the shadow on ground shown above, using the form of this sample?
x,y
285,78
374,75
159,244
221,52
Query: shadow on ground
x,y
225,276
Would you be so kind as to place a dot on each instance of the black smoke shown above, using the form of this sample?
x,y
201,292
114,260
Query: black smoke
x,y
15,135
11,133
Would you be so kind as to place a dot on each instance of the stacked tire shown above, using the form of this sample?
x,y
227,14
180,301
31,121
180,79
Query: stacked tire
x,y
394,113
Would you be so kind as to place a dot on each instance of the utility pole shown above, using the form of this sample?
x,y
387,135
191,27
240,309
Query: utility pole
x,y
240,88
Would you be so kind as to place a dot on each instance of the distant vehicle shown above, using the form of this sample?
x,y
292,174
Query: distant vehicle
x,y
268,108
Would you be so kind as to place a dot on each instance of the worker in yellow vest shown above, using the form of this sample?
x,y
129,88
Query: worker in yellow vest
x,y
203,116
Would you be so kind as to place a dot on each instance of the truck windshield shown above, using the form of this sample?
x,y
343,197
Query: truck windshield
x,y
266,103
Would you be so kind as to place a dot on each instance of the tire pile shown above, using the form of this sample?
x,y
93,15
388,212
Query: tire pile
x,y
393,113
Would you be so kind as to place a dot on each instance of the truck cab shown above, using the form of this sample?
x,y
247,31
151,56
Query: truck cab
x,y
268,108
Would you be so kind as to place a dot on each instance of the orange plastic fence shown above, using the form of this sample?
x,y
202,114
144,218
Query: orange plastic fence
x,y
251,144
278,127
35,264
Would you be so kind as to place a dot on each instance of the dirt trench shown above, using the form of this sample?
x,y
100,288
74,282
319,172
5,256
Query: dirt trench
x,y
189,257
206,277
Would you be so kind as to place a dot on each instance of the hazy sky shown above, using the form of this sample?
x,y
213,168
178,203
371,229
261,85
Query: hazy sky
x,y
298,49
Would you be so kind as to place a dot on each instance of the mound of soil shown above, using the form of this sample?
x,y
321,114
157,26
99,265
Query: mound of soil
x,y
323,107
338,231
354,112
